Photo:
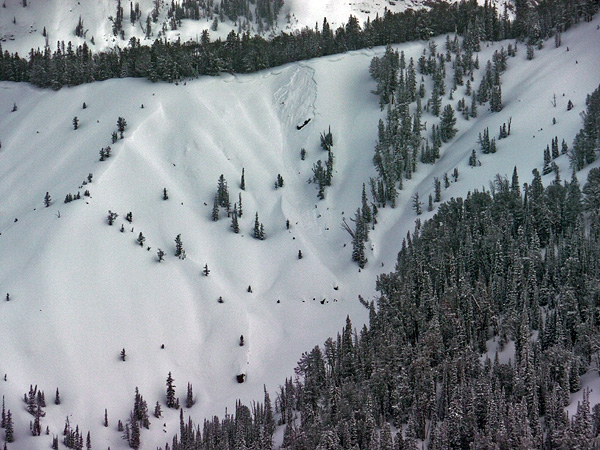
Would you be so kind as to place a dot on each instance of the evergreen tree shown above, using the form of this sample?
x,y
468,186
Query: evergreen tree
x,y
121,125
222,192
189,402
179,251
134,438
496,98
171,402
447,124
112,216
591,189
358,240
437,188
234,219
365,208
141,239
75,122
9,428
417,204
259,231
243,181
47,200
215,209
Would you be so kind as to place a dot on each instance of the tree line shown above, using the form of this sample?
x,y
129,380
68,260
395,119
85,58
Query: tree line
x,y
69,65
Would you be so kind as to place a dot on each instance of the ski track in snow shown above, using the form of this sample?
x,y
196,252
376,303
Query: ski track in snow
x,y
296,99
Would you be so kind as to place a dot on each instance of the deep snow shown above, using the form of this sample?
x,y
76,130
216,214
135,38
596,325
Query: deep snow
x,y
81,290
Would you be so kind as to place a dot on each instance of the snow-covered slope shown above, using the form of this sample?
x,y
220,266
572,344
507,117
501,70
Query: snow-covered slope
x,y
81,290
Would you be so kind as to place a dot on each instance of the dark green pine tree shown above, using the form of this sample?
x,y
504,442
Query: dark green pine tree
x,y
243,181
47,200
365,208
437,188
189,401
435,102
171,402
496,98
141,239
9,428
134,439
515,188
215,209
240,211
121,125
417,204
573,203
473,112
235,226
358,240
591,189
547,160
179,251
259,229
222,192
473,159
447,124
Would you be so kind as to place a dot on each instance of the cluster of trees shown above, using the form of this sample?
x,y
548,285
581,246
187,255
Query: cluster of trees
x,y
490,88
399,137
364,219
323,173
241,11
221,200
587,141
247,428
546,19
516,264
243,52
73,438
550,154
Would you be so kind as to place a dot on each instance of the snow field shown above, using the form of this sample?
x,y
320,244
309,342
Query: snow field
x,y
81,290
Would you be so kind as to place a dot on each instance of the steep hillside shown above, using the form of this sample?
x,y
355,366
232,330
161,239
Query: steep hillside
x,y
81,290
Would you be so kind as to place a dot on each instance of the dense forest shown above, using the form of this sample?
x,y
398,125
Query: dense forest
x,y
515,267
69,65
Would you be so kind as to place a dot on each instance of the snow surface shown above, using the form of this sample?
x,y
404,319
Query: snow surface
x,y
81,291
